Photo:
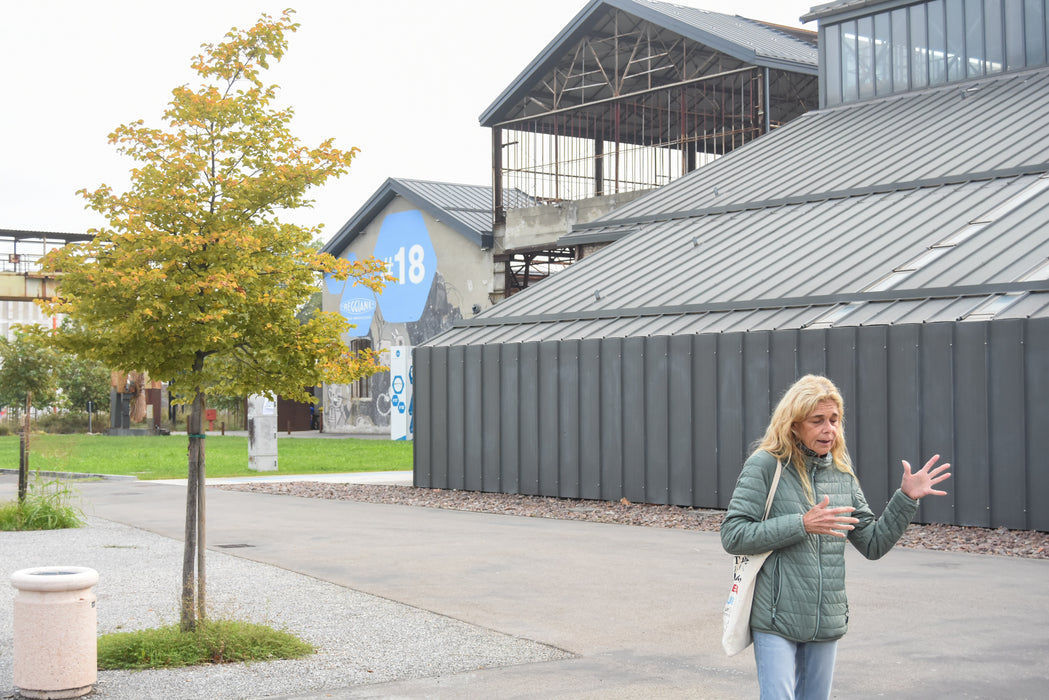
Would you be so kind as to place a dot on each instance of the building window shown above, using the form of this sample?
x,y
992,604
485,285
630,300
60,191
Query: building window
x,y
882,54
974,49
919,48
832,61
931,43
360,389
1034,31
937,25
901,54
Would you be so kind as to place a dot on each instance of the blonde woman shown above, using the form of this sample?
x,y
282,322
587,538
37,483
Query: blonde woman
x,y
800,609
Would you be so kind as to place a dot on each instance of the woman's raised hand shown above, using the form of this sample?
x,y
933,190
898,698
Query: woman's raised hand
x,y
920,483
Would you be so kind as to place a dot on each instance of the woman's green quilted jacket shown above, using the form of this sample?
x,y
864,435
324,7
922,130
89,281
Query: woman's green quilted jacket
x,y
800,590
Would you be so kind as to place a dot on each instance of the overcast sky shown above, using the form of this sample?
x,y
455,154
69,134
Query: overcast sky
x,y
403,80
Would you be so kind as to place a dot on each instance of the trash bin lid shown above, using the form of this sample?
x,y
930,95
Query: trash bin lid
x,y
54,578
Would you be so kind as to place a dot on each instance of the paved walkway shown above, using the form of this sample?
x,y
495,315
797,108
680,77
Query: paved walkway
x,y
638,607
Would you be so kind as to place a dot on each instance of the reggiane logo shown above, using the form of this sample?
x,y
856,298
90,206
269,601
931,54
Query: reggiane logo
x,y
357,306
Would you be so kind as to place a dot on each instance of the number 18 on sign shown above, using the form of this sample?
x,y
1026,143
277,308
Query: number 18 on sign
x,y
404,245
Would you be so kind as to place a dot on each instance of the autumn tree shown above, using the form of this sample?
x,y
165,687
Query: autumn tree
x,y
27,365
196,279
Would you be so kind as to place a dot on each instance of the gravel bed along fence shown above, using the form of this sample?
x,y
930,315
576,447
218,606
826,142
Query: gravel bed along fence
x,y
1029,544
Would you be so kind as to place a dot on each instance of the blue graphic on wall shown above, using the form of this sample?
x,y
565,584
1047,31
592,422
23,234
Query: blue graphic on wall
x,y
357,303
404,245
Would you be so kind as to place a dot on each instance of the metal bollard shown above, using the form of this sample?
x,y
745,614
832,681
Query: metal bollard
x,y
55,631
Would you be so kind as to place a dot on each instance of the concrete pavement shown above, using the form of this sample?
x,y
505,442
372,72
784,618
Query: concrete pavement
x,y
639,607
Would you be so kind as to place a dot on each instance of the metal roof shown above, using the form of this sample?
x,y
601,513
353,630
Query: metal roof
x,y
850,7
956,133
750,41
465,208
927,206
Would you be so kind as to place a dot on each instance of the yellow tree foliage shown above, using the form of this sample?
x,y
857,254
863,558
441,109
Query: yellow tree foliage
x,y
196,280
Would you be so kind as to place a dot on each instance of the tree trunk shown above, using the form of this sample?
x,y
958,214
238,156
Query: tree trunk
x,y
23,452
193,579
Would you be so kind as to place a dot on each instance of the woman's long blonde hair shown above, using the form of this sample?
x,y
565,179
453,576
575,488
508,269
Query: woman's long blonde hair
x,y
797,404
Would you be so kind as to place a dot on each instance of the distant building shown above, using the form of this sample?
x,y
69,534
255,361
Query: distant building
x,y
436,239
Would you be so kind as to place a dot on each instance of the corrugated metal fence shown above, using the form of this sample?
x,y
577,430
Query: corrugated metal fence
x,y
670,419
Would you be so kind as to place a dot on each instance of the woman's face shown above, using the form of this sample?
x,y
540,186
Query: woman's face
x,y
819,431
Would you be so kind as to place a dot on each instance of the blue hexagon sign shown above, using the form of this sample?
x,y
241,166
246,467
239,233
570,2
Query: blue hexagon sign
x,y
404,245
357,303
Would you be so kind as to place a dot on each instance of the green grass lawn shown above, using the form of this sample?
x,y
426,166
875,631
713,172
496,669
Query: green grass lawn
x,y
164,456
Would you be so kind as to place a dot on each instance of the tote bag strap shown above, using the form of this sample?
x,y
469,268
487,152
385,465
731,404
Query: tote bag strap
x,y
772,490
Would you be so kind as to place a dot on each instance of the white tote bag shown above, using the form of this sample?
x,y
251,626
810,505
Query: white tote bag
x,y
736,635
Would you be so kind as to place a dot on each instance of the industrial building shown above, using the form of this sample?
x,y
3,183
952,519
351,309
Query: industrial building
x,y
628,97
896,240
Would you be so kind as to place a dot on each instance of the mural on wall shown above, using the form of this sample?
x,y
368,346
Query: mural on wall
x,y
412,308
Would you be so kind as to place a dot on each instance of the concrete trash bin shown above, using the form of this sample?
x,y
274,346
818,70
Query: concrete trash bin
x,y
55,631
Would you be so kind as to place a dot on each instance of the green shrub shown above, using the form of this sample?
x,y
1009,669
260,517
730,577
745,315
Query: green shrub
x,y
70,422
46,507
213,642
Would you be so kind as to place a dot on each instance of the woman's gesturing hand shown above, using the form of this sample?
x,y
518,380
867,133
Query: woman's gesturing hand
x,y
920,483
821,520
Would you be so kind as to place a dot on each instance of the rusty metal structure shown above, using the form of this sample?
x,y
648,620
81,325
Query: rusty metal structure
x,y
633,96
20,253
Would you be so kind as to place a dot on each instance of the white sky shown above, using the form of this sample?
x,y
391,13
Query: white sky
x,y
403,80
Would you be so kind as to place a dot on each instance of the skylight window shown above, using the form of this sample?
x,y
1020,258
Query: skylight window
x,y
992,307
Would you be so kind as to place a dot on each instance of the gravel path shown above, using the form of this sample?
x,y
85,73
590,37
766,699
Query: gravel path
x,y
360,639
1012,543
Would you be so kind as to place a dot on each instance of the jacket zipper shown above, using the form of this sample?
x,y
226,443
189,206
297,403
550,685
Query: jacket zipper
x,y
819,561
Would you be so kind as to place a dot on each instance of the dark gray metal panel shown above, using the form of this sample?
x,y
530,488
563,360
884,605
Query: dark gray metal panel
x,y
679,398
591,400
528,419
755,390
841,366
422,444
510,424
439,418
633,419
904,418
569,406
868,424
971,468
1036,346
549,474
456,409
937,413
812,352
841,369
491,418
473,420
669,414
705,479
612,407
731,441
1007,426
783,364
657,420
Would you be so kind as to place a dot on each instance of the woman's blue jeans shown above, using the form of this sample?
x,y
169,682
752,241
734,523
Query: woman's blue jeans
x,y
794,670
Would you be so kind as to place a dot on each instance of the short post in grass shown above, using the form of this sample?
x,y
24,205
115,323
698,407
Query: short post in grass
x,y
262,434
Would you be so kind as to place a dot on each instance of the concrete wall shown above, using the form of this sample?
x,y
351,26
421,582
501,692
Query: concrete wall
x,y
544,225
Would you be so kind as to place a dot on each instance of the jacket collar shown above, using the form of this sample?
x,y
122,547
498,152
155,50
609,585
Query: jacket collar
x,y
813,460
